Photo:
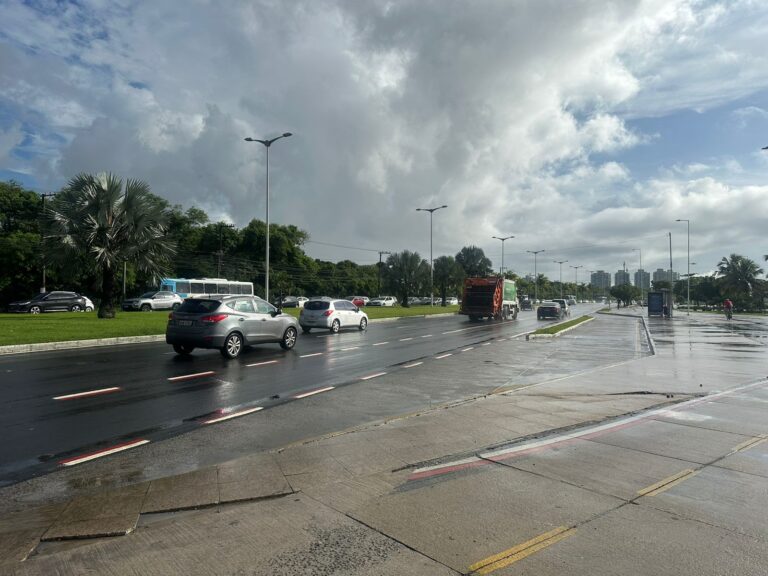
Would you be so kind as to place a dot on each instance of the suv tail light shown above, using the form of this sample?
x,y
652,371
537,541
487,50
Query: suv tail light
x,y
213,318
170,316
327,312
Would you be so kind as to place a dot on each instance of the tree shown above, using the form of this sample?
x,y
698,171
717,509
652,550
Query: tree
x,y
20,259
404,273
98,224
625,293
474,262
737,277
448,276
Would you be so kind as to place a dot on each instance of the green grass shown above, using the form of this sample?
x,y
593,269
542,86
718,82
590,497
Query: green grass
x,y
560,327
63,326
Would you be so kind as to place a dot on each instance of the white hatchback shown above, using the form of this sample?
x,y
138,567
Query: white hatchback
x,y
332,315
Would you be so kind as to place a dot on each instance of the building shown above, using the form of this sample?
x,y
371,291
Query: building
x,y
664,276
620,278
643,280
600,280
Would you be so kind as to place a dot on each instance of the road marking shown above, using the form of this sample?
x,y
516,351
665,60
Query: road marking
x,y
443,356
427,336
486,344
373,376
261,363
501,340
516,553
413,365
87,394
454,331
233,415
311,355
313,392
405,339
751,443
380,343
468,349
104,452
350,348
189,376
667,483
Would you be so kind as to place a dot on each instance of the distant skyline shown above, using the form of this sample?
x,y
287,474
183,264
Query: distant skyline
x,y
582,128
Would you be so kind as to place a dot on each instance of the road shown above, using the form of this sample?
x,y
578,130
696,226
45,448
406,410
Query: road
x,y
61,408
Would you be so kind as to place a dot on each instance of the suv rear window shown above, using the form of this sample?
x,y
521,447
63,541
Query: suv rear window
x,y
317,305
198,306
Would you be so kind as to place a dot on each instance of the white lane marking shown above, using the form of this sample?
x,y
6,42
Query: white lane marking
x,y
468,349
261,363
443,356
86,394
501,340
380,343
100,453
405,339
413,364
486,344
188,376
373,376
427,336
350,348
454,331
311,355
233,415
313,392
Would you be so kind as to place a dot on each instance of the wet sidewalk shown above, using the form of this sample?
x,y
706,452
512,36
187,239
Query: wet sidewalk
x,y
295,510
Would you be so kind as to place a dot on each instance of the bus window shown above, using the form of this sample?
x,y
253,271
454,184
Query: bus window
x,y
167,286
224,289
198,288
211,288
246,289
182,287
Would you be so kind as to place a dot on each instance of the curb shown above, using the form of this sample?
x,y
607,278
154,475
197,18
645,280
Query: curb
x,y
651,343
70,344
556,334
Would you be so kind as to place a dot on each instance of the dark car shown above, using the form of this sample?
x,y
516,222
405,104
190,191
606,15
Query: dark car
x,y
526,305
549,310
50,302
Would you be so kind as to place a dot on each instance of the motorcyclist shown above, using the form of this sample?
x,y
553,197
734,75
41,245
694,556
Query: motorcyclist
x,y
728,307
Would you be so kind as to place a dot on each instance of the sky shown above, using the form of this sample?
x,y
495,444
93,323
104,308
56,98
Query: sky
x,y
582,128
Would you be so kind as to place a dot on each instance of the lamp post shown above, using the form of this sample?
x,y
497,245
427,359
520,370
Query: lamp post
x,y
591,286
688,298
501,270
561,262
267,144
431,269
576,278
640,269
380,253
535,275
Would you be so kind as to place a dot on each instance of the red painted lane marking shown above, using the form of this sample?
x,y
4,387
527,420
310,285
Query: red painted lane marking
x,y
87,394
190,376
373,376
443,356
261,363
232,415
313,392
104,452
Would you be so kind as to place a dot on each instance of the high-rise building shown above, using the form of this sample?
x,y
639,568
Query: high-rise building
x,y
601,280
621,277
643,279
664,276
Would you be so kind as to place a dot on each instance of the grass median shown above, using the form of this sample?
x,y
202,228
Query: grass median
x,y
63,326
560,327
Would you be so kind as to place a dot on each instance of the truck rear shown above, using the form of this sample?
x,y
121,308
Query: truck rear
x,y
493,297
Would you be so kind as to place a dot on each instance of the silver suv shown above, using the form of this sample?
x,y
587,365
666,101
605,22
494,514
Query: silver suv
x,y
228,323
156,300
331,315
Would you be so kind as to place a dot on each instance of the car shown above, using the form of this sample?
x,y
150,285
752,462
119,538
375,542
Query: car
x,y
563,306
56,301
228,323
287,302
549,310
359,300
301,300
383,301
155,300
332,315
451,301
526,305
89,307
414,300
571,302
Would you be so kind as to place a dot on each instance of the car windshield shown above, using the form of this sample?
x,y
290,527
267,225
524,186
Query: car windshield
x,y
198,306
38,296
317,305
147,294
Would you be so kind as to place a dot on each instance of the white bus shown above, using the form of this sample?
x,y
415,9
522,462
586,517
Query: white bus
x,y
195,287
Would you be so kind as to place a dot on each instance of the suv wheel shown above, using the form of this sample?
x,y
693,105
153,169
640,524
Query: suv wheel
x,y
335,326
146,308
363,323
183,349
289,338
35,310
75,308
232,346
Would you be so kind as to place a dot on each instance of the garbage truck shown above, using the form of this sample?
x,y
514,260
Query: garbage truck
x,y
494,298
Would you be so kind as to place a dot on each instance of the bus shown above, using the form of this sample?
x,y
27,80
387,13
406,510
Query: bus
x,y
196,287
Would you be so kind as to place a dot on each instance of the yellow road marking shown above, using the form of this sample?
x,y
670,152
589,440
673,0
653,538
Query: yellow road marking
x,y
667,483
751,443
512,555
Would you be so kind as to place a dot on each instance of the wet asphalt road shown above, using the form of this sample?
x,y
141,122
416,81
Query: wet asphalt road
x,y
147,392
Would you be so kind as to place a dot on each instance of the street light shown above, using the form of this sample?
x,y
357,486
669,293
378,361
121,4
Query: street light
x,y
576,278
43,196
640,277
267,144
502,251
688,298
561,262
535,275
431,270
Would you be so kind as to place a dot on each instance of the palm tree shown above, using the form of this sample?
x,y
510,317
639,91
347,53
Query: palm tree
x,y
474,261
404,273
738,275
96,221
448,275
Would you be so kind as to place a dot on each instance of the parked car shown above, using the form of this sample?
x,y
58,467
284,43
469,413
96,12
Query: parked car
x,y
49,302
383,301
301,300
549,310
451,301
155,300
414,300
566,311
228,323
332,315
287,302
359,300
89,307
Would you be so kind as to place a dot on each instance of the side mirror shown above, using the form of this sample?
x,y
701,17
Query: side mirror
x,y
357,309
276,312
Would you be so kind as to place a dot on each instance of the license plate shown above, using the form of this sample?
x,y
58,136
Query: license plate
x,y
185,322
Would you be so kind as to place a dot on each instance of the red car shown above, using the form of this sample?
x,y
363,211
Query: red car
x,y
358,301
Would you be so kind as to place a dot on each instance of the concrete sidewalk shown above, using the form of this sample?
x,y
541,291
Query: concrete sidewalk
x,y
292,511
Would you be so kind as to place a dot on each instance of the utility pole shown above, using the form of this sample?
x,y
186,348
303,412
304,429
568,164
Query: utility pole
x,y
43,196
561,262
535,275
221,226
576,278
380,254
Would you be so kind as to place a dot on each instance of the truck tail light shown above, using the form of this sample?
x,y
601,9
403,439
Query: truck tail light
x,y
213,318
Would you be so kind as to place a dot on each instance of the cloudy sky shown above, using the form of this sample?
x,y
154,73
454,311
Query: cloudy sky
x,y
584,128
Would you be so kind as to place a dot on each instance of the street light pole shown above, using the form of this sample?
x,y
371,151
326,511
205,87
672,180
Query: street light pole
x,y
431,269
43,196
267,144
535,275
688,299
501,270
380,253
561,262
642,287
576,278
